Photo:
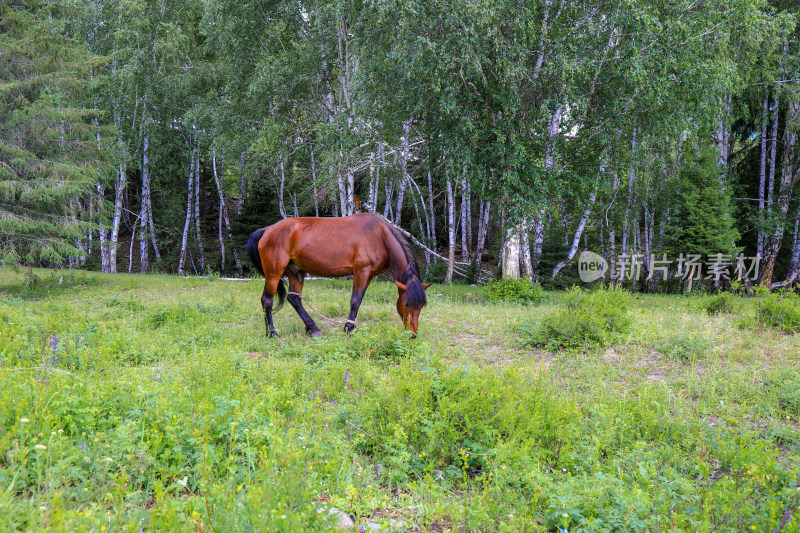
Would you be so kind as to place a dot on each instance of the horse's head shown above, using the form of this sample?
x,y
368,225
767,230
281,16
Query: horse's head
x,y
410,301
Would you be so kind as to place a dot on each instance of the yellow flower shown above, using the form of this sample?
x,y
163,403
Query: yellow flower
x,y
23,420
102,528
40,447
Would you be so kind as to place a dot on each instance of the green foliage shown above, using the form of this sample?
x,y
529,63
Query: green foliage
x,y
686,346
52,154
435,272
704,223
586,319
472,272
519,290
724,302
779,310
109,421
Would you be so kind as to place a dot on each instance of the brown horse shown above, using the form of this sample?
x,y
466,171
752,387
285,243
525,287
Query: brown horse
x,y
362,245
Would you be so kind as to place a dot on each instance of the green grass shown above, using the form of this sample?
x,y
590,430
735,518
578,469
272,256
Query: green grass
x,y
156,402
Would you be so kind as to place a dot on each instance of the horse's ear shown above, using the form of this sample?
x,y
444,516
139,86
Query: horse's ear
x,y
401,286
426,285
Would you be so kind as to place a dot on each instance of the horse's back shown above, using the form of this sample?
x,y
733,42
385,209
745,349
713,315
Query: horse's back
x,y
335,246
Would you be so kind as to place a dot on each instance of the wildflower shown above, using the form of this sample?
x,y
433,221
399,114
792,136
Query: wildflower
x,y
40,447
23,420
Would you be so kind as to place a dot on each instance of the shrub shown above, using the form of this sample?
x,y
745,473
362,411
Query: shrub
x,y
472,273
723,302
519,290
688,346
435,272
779,311
595,318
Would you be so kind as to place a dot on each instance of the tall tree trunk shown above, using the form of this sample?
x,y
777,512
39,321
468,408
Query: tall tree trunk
x,y
451,230
525,244
146,192
223,213
401,189
433,214
538,236
351,195
483,225
631,180
576,238
464,215
314,183
789,178
187,224
794,263
144,255
762,183
722,137
243,184
773,152
281,205
612,233
119,195
511,252
198,232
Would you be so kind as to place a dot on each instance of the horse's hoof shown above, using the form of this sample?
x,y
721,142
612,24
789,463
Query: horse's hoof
x,y
315,333
274,335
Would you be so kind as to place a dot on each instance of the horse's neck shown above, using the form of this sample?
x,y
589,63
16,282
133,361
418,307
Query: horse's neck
x,y
398,266
397,261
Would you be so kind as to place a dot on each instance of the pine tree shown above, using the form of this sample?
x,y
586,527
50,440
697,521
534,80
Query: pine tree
x,y
704,224
50,150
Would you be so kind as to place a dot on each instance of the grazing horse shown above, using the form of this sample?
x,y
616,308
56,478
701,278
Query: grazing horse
x,y
362,245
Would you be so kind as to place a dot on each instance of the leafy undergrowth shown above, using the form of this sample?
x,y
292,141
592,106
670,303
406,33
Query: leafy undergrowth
x,y
586,319
156,403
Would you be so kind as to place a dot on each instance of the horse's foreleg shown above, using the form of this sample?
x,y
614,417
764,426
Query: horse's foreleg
x,y
296,287
360,282
266,303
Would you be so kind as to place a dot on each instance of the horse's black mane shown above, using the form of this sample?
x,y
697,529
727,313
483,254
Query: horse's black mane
x,y
415,295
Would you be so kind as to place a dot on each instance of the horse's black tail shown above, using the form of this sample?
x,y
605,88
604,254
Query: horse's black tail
x,y
252,251
281,294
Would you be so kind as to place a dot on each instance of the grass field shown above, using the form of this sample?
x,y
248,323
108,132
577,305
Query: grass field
x,y
155,403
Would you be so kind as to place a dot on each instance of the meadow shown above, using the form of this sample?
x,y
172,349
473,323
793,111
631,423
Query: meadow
x,y
155,403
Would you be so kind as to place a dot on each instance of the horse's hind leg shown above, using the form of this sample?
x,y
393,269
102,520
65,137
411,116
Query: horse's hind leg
x,y
361,280
296,286
267,298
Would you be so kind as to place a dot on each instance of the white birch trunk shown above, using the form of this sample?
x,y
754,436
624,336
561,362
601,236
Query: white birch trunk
x,y
187,224
144,256
510,256
243,184
451,230
464,200
119,195
794,263
773,151
789,178
433,214
525,244
314,183
281,205
198,232
762,183
401,189
576,238
223,213
631,181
